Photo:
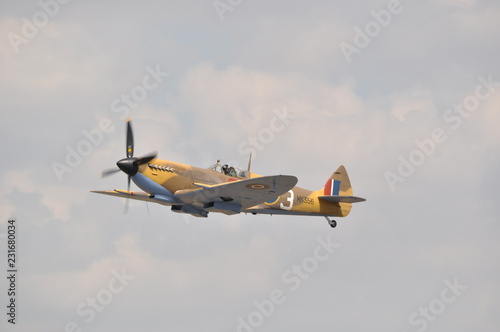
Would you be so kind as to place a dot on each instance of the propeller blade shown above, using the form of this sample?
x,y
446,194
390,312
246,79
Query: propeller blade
x,y
249,163
145,159
125,211
109,172
129,165
130,139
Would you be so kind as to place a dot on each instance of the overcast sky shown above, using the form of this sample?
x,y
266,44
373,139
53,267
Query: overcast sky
x,y
403,93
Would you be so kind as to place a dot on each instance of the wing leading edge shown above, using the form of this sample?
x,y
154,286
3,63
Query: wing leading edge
x,y
140,196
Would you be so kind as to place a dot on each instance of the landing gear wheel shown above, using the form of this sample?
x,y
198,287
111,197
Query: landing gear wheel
x,y
331,222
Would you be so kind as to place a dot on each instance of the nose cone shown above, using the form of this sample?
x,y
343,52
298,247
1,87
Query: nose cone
x,y
128,166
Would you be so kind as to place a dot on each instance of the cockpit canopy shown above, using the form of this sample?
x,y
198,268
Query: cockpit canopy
x,y
229,170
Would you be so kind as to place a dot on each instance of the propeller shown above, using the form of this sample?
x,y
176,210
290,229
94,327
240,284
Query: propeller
x,y
130,164
109,172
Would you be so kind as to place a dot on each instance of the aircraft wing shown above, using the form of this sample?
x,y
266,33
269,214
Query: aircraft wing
x,y
237,195
140,196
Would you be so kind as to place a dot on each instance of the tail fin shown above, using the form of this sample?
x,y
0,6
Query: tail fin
x,y
338,184
338,188
337,193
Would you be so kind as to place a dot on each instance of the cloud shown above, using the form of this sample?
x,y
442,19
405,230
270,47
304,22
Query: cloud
x,y
236,102
227,81
57,198
61,57
462,4
408,101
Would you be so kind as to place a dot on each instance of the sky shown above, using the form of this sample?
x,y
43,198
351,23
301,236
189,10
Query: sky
x,y
404,93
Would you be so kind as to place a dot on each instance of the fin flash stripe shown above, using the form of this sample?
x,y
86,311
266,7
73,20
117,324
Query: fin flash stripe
x,y
332,187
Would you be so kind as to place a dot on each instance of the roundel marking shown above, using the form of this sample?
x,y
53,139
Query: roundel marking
x,y
257,186
272,202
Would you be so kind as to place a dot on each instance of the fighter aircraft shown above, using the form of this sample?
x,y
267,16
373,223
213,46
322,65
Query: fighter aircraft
x,y
229,190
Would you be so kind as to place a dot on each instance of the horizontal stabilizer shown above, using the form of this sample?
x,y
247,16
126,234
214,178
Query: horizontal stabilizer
x,y
342,199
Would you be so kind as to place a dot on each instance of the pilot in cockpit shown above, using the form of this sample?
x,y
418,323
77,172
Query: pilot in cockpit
x,y
230,171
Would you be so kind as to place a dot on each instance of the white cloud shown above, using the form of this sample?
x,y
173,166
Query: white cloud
x,y
62,55
463,4
408,101
236,99
218,270
226,80
57,198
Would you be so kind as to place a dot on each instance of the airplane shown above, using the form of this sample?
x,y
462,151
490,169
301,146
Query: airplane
x,y
228,190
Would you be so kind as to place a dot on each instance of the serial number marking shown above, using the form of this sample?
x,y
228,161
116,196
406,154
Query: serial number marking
x,y
305,200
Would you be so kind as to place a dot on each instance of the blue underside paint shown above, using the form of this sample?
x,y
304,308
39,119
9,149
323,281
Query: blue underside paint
x,y
150,186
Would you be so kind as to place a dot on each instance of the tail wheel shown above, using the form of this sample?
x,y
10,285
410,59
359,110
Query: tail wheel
x,y
331,222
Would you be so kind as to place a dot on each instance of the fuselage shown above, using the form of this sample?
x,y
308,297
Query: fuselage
x,y
176,178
